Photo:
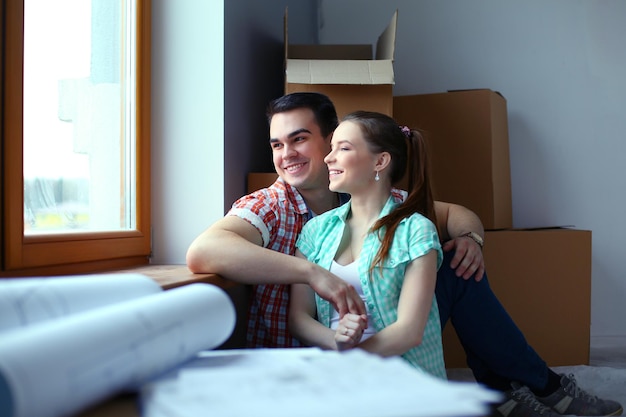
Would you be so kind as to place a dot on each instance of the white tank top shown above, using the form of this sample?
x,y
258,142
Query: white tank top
x,y
350,274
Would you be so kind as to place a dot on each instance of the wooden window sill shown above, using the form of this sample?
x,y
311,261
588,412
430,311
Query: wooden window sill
x,y
172,276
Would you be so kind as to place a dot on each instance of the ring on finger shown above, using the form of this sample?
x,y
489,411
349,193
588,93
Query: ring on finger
x,y
346,331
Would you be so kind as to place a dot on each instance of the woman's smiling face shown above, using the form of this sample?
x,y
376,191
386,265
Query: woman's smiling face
x,y
351,164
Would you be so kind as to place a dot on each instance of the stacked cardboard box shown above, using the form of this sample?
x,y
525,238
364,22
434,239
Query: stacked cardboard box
x,y
543,276
467,137
258,180
543,279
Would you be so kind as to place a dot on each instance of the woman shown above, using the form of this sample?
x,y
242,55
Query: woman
x,y
387,249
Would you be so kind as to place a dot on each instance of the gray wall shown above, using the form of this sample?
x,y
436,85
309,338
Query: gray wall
x,y
561,66
254,63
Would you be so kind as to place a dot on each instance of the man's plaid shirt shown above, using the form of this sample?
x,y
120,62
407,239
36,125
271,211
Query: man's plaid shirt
x,y
278,212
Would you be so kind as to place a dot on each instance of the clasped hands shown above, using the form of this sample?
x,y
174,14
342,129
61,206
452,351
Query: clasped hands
x,y
350,330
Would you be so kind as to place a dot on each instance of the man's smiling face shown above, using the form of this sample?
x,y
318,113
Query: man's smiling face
x,y
298,149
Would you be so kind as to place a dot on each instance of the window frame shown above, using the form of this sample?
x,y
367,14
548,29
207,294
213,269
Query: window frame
x,y
67,252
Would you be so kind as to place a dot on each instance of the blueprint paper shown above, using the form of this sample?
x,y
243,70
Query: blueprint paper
x,y
308,383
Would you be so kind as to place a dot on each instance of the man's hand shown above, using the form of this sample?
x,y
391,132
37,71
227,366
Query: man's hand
x,y
455,220
350,330
468,259
339,293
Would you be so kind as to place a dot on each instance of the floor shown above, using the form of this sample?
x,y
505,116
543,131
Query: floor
x,y
605,351
608,351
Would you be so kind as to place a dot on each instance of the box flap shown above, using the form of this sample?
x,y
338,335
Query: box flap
x,y
475,89
285,35
306,71
329,52
386,45
529,227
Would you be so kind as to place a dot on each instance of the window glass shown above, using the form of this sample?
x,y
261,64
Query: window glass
x,y
78,117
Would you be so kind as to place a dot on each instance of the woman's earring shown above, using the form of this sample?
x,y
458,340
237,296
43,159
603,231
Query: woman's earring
x,y
376,178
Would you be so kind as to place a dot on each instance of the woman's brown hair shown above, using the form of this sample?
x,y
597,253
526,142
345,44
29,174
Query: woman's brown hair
x,y
408,155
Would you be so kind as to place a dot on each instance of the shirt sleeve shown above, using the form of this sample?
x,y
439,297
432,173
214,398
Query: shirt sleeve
x,y
423,237
306,241
259,210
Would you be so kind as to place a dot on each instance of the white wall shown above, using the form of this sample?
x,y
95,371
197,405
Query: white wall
x,y
187,123
561,66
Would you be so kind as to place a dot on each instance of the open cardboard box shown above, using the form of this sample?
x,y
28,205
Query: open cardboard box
x,y
351,75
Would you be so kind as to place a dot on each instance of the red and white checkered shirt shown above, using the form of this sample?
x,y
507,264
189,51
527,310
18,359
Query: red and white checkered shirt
x,y
278,212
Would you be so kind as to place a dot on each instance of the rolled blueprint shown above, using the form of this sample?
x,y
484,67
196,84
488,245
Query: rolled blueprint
x,y
26,301
59,367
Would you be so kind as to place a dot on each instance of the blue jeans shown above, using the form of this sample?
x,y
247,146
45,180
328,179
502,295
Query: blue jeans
x,y
497,351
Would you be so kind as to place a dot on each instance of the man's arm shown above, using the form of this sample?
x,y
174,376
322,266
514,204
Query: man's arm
x,y
232,248
454,221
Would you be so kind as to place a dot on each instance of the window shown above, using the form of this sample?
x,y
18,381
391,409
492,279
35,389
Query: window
x,y
75,138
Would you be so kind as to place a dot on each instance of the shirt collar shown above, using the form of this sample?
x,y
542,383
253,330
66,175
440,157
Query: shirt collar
x,y
294,195
301,207
342,212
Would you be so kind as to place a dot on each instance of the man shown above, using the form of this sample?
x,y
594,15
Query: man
x,y
236,247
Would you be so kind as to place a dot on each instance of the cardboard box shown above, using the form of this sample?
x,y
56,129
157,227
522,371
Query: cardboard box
x,y
258,180
351,75
468,144
543,279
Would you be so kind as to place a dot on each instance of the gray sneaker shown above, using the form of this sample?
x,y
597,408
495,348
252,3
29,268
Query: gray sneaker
x,y
571,399
521,402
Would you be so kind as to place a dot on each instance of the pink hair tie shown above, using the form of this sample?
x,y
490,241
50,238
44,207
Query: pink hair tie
x,y
406,131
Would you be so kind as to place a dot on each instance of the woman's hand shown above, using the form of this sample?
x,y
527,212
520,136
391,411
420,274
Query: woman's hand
x,y
350,330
